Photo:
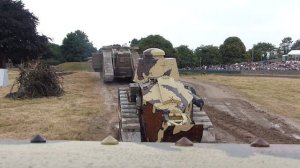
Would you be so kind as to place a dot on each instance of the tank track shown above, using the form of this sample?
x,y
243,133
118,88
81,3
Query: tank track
x,y
200,117
130,129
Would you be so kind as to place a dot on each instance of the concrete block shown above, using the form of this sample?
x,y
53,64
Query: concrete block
x,y
3,77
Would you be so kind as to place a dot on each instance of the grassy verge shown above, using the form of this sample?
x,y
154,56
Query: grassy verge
x,y
75,66
281,95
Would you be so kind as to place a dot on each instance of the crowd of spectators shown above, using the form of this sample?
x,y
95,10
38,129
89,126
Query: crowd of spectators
x,y
265,65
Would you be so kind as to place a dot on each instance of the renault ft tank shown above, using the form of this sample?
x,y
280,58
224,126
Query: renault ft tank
x,y
157,107
115,62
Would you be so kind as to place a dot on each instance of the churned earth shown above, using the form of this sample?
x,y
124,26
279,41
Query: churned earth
x,y
237,120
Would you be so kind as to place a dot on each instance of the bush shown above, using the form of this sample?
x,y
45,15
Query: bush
x,y
36,81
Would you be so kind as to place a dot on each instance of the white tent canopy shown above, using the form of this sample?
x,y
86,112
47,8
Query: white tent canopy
x,y
293,55
294,52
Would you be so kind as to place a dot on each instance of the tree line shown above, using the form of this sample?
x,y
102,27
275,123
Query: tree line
x,y
20,42
75,47
231,51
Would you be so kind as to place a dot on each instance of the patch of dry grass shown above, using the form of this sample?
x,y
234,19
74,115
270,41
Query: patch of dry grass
x,y
75,66
71,116
281,95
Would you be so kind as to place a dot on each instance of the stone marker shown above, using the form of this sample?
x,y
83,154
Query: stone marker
x,y
38,139
259,142
184,142
109,141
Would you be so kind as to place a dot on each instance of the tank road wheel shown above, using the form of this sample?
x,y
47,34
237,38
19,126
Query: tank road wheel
x,y
200,117
129,119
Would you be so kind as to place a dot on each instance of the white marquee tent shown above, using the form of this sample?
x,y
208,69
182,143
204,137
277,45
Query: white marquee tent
x,y
293,55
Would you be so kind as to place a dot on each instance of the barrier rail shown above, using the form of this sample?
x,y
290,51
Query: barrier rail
x,y
226,72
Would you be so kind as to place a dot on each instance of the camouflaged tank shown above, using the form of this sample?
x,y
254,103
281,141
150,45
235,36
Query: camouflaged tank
x,y
115,61
158,107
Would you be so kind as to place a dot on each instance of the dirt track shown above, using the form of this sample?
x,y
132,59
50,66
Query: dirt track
x,y
235,120
110,118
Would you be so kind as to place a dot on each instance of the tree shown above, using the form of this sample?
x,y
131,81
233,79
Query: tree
x,y
54,54
232,50
185,57
261,50
248,56
285,44
209,55
77,47
156,41
296,45
134,42
19,40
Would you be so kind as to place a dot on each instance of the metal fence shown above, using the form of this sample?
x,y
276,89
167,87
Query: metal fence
x,y
224,72
242,72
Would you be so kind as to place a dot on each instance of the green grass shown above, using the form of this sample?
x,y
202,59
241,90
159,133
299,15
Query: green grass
x,y
75,66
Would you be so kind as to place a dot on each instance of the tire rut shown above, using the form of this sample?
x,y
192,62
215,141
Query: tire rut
x,y
237,120
247,131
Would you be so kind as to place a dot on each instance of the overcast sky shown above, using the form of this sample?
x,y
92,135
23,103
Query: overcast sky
x,y
187,22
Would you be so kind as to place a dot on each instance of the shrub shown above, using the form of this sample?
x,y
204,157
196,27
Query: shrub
x,y
36,81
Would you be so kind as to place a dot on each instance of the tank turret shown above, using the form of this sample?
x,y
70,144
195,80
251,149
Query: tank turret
x,y
153,65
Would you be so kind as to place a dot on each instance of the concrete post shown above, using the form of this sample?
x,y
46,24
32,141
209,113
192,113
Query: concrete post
x,y
3,77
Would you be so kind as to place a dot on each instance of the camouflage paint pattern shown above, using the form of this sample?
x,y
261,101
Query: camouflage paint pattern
x,y
166,103
168,94
154,52
154,65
